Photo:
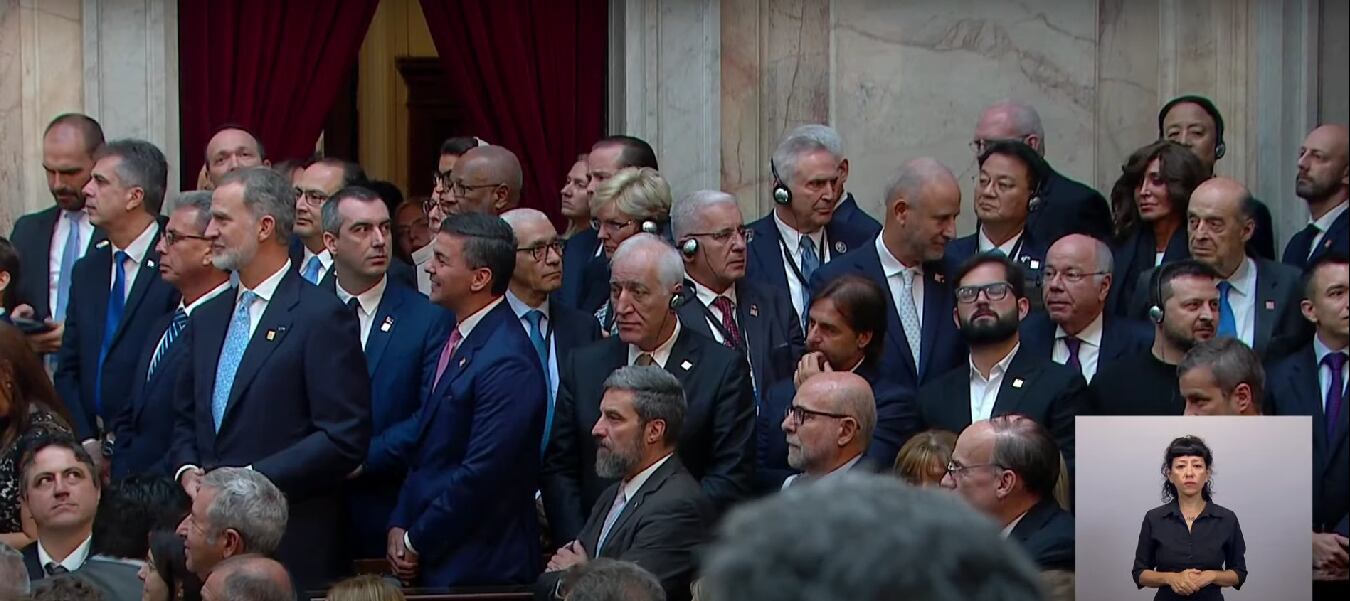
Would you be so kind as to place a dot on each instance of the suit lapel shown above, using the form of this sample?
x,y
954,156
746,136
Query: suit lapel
x,y
935,309
383,327
1267,293
653,483
1308,391
754,325
767,247
100,260
1016,382
684,356
270,333
209,325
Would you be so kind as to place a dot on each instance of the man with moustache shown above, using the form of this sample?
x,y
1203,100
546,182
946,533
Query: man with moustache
x,y
828,427
1324,184
1184,311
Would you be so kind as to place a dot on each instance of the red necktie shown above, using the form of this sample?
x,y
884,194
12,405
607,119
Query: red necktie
x,y
733,338
446,353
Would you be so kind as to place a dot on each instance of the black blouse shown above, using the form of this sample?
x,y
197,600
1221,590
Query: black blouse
x,y
1214,542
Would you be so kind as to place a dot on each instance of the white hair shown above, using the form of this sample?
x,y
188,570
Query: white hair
x,y
649,249
1022,117
684,216
801,141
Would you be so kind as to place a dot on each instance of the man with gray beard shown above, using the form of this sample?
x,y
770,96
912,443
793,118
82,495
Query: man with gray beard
x,y
656,514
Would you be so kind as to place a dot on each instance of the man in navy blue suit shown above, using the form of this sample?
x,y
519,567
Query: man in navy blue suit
x,y
466,514
401,333
808,227
274,378
1312,382
922,203
318,183
554,329
1324,183
142,431
1074,329
719,302
116,292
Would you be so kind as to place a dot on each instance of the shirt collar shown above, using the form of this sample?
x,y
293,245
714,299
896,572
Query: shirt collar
x,y
325,257
141,245
467,324
999,368
268,287
1007,530
370,299
986,245
1174,508
793,238
1091,334
662,352
1321,350
891,266
421,255
188,309
707,296
631,487
520,308
1244,279
72,562
1324,224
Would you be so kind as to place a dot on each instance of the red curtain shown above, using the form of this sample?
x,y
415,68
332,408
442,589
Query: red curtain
x,y
274,67
530,76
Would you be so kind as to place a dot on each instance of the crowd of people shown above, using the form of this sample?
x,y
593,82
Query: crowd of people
x,y
249,390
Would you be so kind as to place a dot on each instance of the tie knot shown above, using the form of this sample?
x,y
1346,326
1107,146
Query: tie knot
x,y
535,317
121,256
73,216
55,569
1225,286
1335,361
722,303
180,315
455,337
247,298
353,304
644,360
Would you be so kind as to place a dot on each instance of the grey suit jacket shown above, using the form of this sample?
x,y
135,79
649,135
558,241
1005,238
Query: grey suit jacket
x,y
116,579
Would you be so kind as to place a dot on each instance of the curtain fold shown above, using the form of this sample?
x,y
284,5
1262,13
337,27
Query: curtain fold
x,y
529,76
274,67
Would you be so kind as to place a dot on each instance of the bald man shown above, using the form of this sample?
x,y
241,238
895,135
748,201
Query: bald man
x,y
1065,206
922,203
554,328
229,149
1324,183
829,425
486,179
248,577
1258,298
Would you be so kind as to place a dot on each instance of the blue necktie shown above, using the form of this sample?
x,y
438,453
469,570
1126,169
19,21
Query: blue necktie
x,y
1227,319
69,255
236,341
117,304
535,317
175,328
311,272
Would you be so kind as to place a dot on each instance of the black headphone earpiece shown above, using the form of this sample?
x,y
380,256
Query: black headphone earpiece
x,y
1034,203
782,195
1155,309
689,247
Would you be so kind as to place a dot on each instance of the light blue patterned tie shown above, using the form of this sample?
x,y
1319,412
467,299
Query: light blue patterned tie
x,y
311,272
117,304
535,317
909,314
1227,319
170,334
69,255
614,512
236,341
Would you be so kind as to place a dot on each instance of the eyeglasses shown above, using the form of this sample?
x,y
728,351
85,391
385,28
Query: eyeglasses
x,y
1072,276
171,237
441,180
724,236
979,144
610,224
540,251
315,198
460,190
956,469
996,291
798,414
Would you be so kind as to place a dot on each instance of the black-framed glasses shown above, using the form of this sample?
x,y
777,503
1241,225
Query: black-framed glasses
x,y
315,198
540,251
1072,276
460,190
995,291
956,469
980,144
798,414
171,237
724,236
612,225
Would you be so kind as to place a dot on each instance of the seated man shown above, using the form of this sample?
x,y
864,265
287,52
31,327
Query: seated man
x,y
1221,376
1007,467
656,514
64,512
829,426
236,510
248,577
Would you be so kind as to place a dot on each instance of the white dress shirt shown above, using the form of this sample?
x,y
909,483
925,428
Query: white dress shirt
x,y
1089,350
1320,351
707,296
1007,530
1324,224
984,391
1243,299
891,267
985,244
265,291
367,304
421,257
793,239
325,262
661,353
546,326
72,562
136,252
84,229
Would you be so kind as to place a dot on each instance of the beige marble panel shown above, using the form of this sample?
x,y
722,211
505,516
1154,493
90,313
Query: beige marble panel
x,y
11,116
1127,81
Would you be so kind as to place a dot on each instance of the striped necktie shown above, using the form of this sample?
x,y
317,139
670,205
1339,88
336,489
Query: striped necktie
x,y
171,333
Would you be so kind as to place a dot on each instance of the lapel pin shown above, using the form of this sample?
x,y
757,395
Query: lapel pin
x,y
271,335
101,244
388,323
1035,264
1017,382
754,310
840,247
937,277
149,262
462,361
1326,243
686,365
1270,305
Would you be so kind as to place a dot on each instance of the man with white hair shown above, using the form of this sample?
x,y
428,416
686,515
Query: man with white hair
x,y
808,226
716,444
1063,206
718,300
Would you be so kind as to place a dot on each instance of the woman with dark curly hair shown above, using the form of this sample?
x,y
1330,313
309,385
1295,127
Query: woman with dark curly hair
x,y
1190,547
29,408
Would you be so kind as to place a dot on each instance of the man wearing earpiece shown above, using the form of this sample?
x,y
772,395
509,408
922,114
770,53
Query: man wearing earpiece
x,y
805,231
1184,311
719,302
716,442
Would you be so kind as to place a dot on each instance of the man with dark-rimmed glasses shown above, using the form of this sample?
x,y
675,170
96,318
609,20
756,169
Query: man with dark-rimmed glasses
x,y
828,426
316,184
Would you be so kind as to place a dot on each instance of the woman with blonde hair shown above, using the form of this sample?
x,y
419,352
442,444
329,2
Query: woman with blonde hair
x,y
366,587
634,200
922,461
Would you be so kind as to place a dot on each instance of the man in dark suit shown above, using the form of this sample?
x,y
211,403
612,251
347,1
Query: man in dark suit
x,y
828,426
719,302
805,231
1066,206
437,207
316,184
1007,467
401,333
1074,330
466,514
64,515
555,329
235,511
716,441
655,515
1221,376
274,376
1312,382
144,428
116,293
585,284
1258,298
847,333
1324,183
1000,379
922,203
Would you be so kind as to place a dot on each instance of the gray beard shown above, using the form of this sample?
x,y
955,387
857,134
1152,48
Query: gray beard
x,y
613,464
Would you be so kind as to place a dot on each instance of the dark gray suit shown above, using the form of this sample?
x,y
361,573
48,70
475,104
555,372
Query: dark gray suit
x,y
117,580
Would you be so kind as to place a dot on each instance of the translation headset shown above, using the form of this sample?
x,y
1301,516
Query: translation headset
x,y
1156,310
1206,105
782,195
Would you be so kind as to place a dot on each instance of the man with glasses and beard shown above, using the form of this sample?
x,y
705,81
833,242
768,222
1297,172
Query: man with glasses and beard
x,y
990,303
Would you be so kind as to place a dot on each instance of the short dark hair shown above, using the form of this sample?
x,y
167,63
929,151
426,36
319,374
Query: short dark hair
x,y
636,151
331,215
1205,104
458,145
130,509
1185,268
656,395
53,439
488,242
1037,169
88,126
9,263
166,547
1231,362
142,166
1177,166
1012,272
1309,273
862,304
1022,445
1187,446
352,173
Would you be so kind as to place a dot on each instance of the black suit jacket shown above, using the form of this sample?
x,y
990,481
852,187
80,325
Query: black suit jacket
x,y
716,441
585,281
1120,337
1294,390
848,230
1068,207
658,529
30,561
144,427
1043,390
1134,257
299,411
32,239
767,322
150,298
1299,253
1046,534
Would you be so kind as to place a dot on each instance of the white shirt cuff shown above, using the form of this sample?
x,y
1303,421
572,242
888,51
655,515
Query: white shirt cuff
x,y
408,542
178,475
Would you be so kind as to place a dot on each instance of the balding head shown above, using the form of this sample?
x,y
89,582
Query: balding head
x,y
229,149
831,422
490,178
1010,120
922,203
538,271
1221,218
1323,169
248,577
1077,281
